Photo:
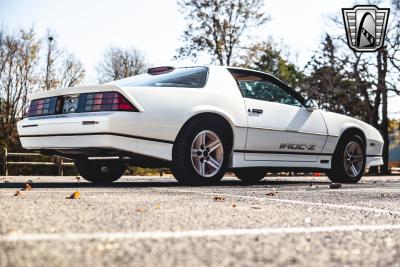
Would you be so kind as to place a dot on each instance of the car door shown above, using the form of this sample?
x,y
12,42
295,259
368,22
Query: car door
x,y
280,128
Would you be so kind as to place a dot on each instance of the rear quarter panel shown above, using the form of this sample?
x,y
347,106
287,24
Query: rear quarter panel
x,y
166,109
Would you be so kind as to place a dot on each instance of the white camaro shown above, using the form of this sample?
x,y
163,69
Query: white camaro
x,y
199,122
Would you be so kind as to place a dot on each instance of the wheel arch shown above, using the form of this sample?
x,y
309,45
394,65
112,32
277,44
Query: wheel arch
x,y
350,131
216,116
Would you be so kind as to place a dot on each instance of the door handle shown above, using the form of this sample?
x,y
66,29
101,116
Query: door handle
x,y
255,110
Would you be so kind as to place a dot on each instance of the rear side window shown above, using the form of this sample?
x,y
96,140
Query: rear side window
x,y
194,77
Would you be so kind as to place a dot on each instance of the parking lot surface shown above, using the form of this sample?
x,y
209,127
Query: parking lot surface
x,y
149,221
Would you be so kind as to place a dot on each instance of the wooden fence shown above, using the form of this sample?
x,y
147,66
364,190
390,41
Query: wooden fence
x,y
61,163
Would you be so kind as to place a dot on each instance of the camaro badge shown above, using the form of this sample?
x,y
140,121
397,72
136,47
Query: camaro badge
x,y
365,27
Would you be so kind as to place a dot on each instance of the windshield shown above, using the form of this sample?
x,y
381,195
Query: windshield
x,y
192,77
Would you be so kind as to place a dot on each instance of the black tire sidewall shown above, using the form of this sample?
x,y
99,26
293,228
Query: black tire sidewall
x,y
338,173
250,175
91,170
182,167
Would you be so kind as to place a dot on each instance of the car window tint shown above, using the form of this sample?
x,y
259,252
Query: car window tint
x,y
194,77
264,87
267,91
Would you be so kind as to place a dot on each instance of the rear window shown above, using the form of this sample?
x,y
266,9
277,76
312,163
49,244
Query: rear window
x,y
193,77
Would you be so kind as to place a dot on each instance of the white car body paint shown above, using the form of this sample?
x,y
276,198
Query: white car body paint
x,y
163,111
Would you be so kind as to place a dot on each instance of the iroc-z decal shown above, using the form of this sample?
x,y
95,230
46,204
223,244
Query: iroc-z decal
x,y
297,146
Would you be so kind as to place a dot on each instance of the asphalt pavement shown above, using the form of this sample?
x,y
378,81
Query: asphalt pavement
x,y
153,221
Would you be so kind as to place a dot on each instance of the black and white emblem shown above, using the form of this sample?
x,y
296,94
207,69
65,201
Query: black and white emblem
x,y
365,27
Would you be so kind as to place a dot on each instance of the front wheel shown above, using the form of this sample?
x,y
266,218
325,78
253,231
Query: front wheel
x,y
200,155
100,171
348,162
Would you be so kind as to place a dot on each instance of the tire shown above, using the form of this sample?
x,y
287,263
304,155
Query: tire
x,y
250,175
201,167
341,171
100,171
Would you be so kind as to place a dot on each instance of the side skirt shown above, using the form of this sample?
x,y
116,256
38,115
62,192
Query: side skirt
x,y
283,161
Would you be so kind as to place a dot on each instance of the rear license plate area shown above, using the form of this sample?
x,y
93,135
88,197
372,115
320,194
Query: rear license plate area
x,y
70,104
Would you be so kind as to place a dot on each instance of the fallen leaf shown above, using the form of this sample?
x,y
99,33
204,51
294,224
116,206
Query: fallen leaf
x,y
219,198
140,210
272,193
256,207
233,205
17,193
158,206
27,187
78,178
74,195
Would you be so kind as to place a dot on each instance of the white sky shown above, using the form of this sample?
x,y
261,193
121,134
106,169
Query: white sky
x,y
87,27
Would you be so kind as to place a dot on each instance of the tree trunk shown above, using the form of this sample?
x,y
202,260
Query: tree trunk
x,y
382,59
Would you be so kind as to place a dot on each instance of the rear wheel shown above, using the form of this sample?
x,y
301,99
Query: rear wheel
x,y
100,171
250,175
348,162
200,154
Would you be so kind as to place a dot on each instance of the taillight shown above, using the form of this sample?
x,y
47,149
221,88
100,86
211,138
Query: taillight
x,y
86,102
43,106
104,101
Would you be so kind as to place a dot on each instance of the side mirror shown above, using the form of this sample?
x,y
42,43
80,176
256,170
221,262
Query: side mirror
x,y
311,105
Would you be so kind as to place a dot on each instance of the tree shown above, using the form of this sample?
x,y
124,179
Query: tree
x,y
120,63
19,55
374,76
25,69
71,72
265,57
330,84
50,81
216,26
62,69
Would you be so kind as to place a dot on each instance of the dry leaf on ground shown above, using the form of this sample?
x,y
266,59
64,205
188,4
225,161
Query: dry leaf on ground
x,y
140,210
74,195
219,198
233,205
272,193
17,193
27,187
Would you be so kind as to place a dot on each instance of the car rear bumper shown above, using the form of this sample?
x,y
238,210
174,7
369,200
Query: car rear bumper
x,y
105,130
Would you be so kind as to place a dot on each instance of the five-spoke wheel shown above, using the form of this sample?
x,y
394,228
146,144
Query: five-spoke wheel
x,y
200,153
207,153
353,159
348,161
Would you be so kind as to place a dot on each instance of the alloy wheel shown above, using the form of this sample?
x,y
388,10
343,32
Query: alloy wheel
x,y
207,153
353,159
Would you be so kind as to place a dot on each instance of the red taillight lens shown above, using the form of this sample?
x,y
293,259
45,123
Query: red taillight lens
x,y
42,106
104,101
87,102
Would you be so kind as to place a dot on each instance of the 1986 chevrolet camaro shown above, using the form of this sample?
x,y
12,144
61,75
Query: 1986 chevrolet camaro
x,y
198,121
